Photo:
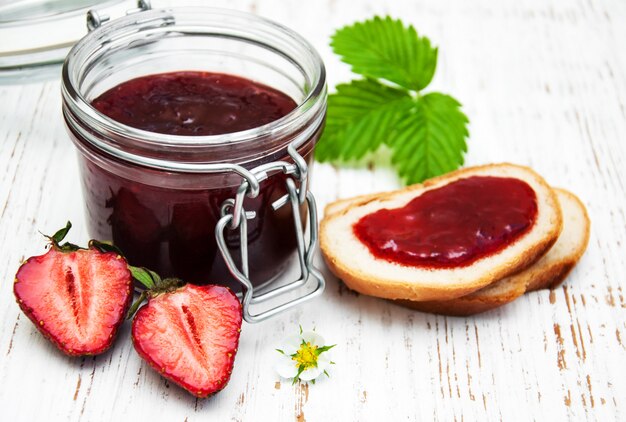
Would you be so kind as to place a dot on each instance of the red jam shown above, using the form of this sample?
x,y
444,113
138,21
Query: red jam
x,y
172,230
193,103
452,226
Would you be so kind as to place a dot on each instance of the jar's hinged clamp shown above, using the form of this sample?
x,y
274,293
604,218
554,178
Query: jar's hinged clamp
x,y
234,217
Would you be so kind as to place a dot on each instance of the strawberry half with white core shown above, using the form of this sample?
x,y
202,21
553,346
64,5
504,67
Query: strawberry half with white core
x,y
188,333
76,297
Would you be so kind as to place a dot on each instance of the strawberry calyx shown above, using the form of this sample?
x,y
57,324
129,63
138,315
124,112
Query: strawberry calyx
x,y
105,247
57,238
100,246
154,285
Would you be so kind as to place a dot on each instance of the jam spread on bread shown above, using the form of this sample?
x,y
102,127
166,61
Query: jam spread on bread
x,y
452,226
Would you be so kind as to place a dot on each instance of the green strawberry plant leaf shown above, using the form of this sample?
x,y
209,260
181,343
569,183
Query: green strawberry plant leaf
x,y
426,132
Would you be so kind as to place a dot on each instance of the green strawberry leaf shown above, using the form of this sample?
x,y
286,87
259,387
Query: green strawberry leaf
x,y
384,48
360,117
430,139
425,132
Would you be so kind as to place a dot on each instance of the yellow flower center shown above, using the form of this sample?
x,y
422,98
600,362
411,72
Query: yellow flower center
x,y
306,356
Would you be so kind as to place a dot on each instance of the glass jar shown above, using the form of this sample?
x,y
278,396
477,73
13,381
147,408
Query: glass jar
x,y
184,205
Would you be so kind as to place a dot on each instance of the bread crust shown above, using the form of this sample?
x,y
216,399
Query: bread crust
x,y
493,296
416,290
552,276
464,306
479,301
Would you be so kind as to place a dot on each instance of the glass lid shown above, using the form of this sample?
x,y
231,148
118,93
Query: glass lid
x,y
36,35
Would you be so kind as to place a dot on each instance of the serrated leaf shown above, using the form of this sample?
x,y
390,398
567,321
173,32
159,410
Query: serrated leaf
x,y
385,48
430,139
360,117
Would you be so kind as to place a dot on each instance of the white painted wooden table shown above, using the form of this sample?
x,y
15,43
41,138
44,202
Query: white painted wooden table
x,y
544,84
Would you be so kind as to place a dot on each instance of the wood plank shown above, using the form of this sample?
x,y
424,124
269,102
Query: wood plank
x,y
544,84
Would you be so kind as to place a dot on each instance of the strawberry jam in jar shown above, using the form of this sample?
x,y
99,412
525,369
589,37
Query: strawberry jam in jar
x,y
195,130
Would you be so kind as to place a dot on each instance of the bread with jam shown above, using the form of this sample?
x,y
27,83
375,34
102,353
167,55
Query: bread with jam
x,y
369,273
547,272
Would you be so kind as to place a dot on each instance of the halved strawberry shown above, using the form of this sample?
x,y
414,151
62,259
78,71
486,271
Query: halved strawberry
x,y
76,297
189,334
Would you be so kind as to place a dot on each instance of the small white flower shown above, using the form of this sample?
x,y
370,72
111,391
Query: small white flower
x,y
303,357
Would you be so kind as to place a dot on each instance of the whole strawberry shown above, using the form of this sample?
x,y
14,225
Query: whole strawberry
x,y
188,333
76,297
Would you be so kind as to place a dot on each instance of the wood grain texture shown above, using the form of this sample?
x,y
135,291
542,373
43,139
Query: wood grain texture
x,y
544,85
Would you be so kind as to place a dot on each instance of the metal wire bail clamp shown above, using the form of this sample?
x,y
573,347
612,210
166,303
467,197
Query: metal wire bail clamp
x,y
235,217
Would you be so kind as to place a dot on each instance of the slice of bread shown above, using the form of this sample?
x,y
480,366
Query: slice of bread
x,y
547,272
352,261
493,296
490,297
551,270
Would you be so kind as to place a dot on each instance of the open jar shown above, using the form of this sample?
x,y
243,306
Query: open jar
x,y
222,209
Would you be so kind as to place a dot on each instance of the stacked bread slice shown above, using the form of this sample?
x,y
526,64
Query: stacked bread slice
x,y
540,258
